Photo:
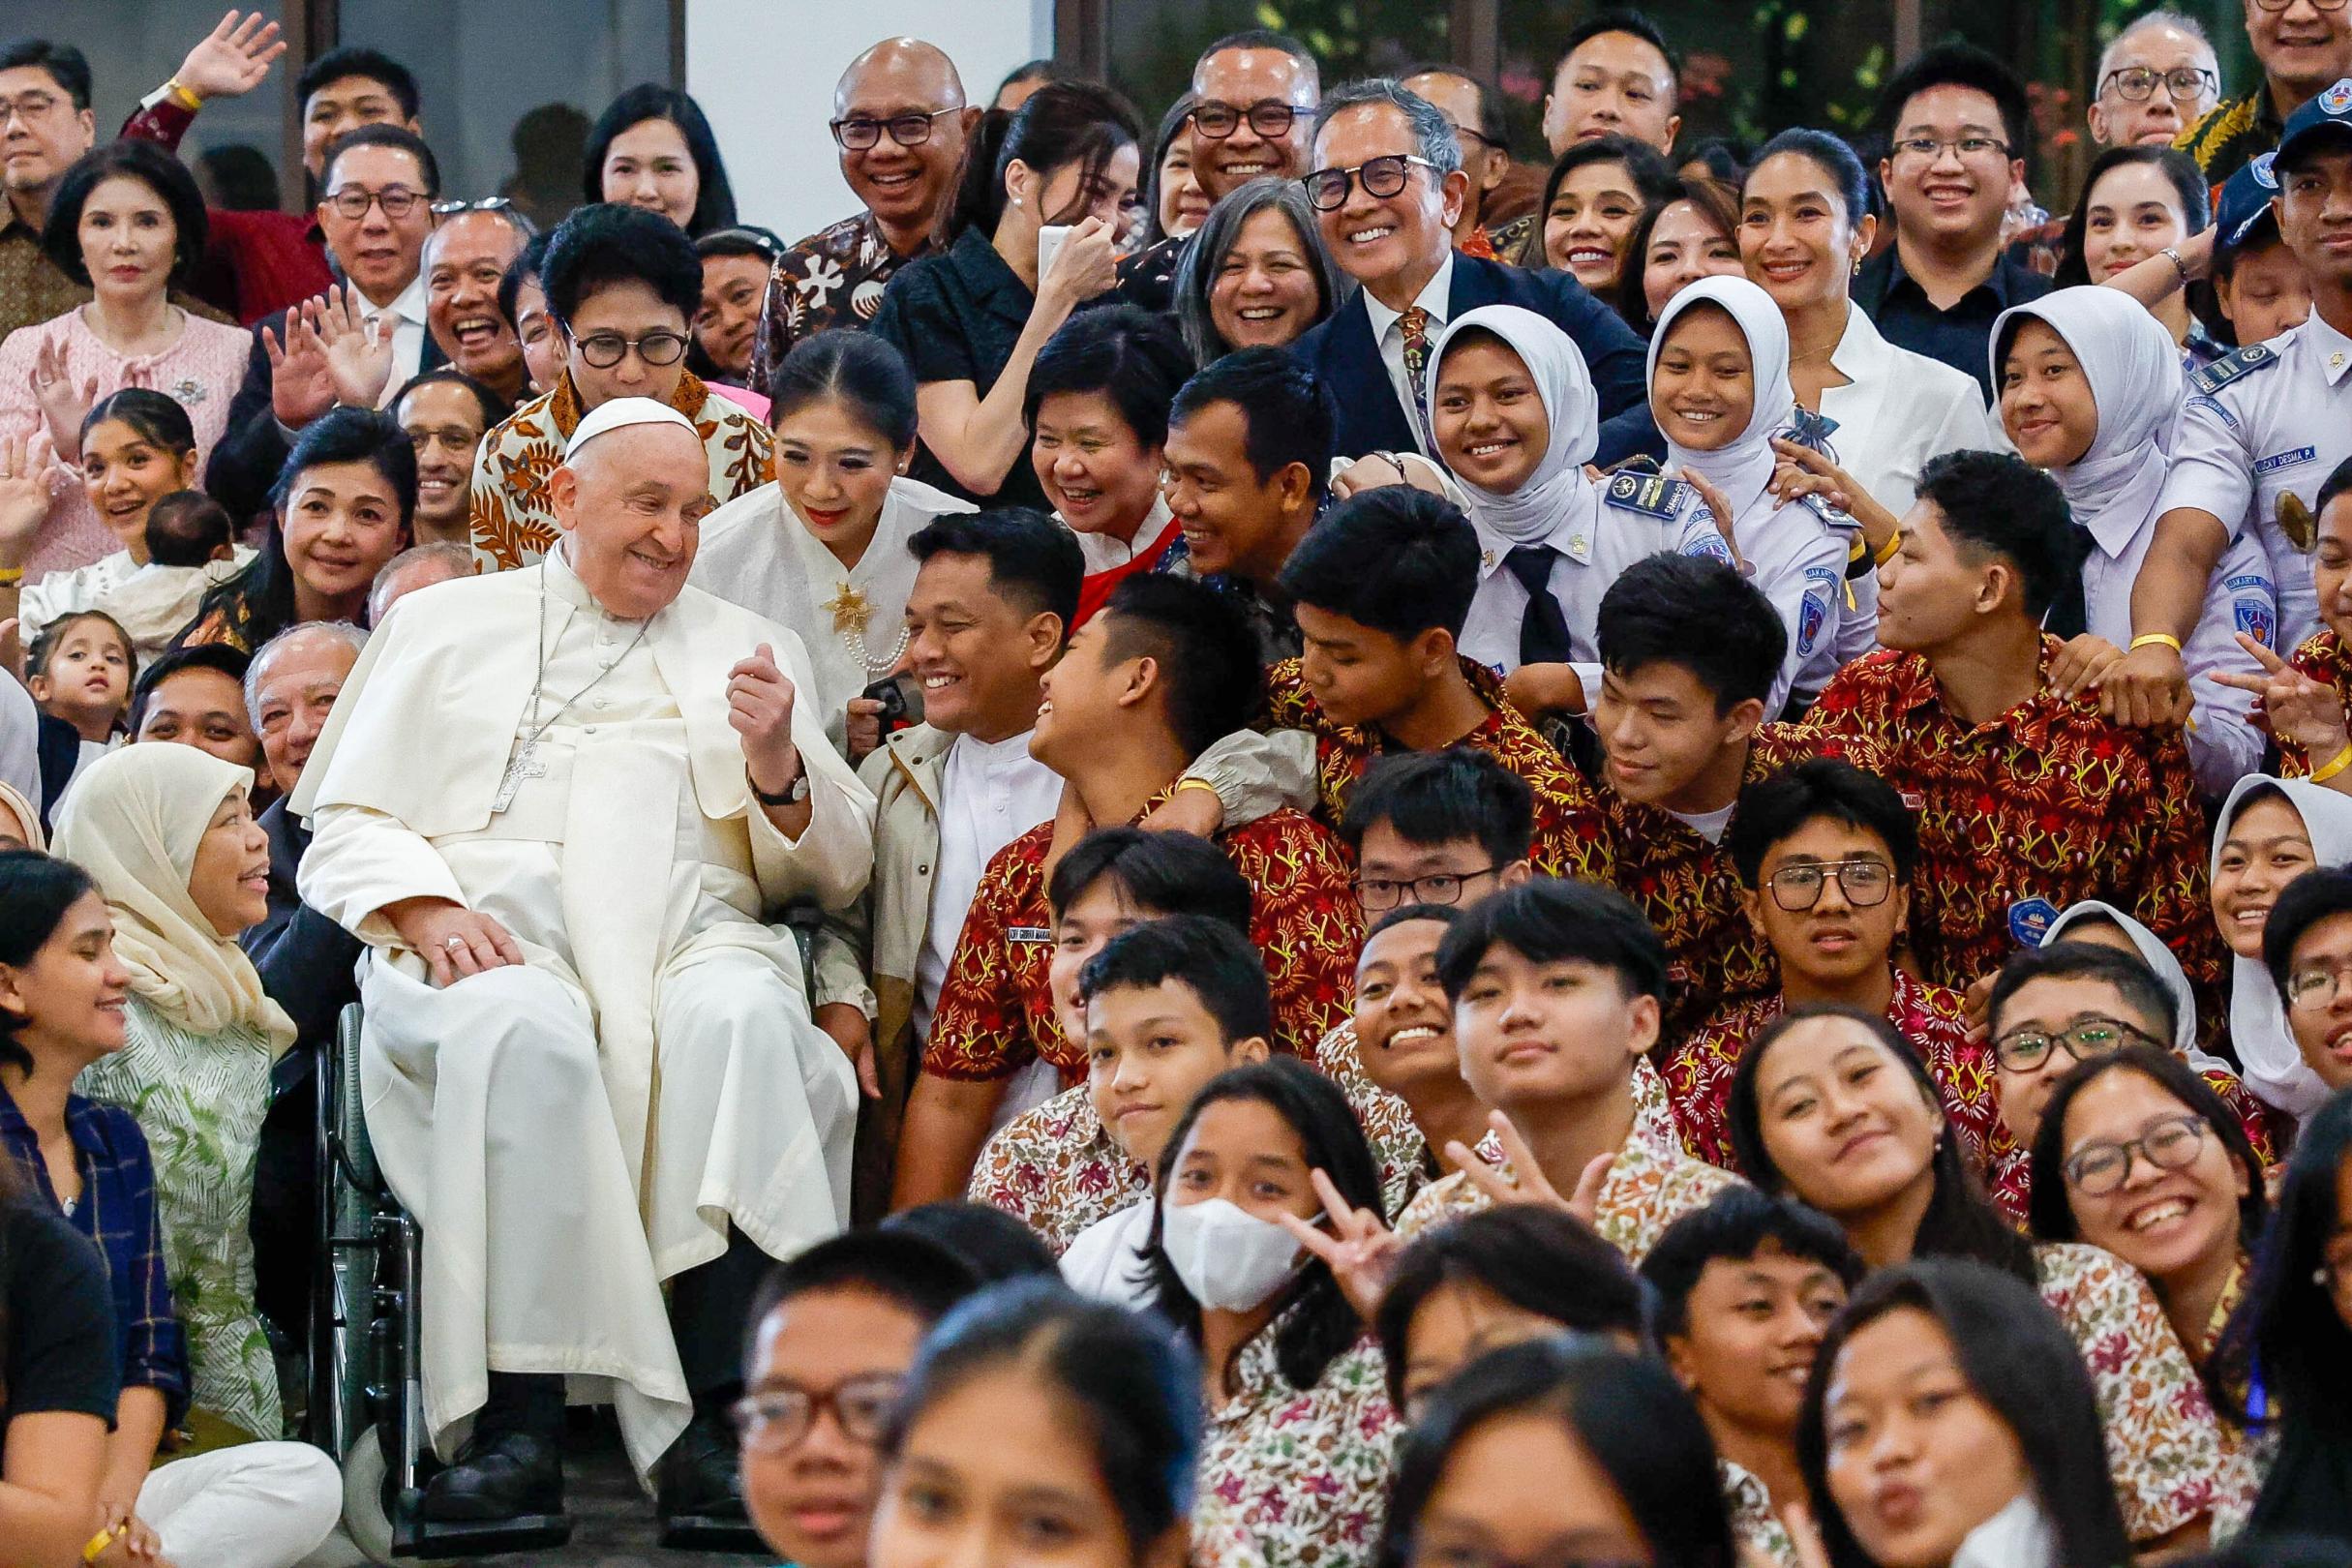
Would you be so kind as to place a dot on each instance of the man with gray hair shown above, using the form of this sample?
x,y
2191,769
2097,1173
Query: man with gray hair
x,y
1387,187
419,566
2156,80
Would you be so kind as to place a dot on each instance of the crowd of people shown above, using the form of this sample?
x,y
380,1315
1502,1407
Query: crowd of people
x,y
1270,844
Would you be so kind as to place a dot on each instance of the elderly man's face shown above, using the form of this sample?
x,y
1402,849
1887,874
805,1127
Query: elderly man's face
x,y
2146,58
294,692
633,502
406,574
1377,238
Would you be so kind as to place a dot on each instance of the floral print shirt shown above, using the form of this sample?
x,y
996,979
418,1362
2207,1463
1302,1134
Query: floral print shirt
x,y
2323,657
1304,1472
514,523
200,1100
833,279
1398,1147
1757,1531
1056,1169
1653,1181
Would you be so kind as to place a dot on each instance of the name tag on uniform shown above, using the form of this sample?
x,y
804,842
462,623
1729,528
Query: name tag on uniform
x,y
2030,920
2285,460
1029,933
1653,495
2211,378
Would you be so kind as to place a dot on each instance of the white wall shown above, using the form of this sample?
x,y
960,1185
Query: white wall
x,y
764,70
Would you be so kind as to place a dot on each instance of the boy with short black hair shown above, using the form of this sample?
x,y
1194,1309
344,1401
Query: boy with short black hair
x,y
2066,1003
1556,989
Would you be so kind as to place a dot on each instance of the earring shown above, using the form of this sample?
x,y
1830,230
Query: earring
x,y
1016,201
1857,266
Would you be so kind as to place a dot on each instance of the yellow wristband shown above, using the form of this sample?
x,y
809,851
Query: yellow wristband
x,y
2146,638
1886,551
10,576
182,96
2336,765
103,1539
1184,784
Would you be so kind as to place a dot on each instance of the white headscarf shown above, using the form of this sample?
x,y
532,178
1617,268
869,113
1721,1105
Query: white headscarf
x,y
2160,962
25,812
1558,487
2269,1060
134,820
2134,371
1742,467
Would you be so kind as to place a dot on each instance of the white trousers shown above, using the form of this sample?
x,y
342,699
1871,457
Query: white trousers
x,y
256,1505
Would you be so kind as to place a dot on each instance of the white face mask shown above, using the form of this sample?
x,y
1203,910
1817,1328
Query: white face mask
x,y
1227,1257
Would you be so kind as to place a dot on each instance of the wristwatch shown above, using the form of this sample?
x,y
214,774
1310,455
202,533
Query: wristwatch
x,y
792,795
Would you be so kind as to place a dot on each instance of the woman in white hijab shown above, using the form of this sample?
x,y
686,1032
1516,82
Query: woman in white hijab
x,y
1719,389
2091,387
167,833
2270,832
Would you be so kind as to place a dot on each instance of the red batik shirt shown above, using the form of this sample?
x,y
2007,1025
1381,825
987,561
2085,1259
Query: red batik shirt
x,y
1569,839
2032,812
995,1008
1690,889
1698,1070
2323,657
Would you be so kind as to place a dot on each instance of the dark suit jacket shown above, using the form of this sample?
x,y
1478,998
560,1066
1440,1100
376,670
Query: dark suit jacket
x,y
245,464
305,958
1368,417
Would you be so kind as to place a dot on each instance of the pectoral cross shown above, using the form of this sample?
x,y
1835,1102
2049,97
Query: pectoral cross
x,y
525,765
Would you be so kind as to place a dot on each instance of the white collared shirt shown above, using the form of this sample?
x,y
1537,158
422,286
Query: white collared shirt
x,y
1391,338
1103,553
407,324
1897,410
990,793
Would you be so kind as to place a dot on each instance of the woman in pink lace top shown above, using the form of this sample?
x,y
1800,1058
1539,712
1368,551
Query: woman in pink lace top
x,y
129,221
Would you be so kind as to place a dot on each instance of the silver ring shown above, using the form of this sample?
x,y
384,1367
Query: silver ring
x,y
453,943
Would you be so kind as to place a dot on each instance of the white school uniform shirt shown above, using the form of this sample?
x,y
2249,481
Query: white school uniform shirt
x,y
1100,1262
2267,422
1391,339
990,793
2115,489
1897,410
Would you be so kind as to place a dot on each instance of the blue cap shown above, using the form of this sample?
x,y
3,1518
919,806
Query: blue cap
x,y
2246,202
2330,110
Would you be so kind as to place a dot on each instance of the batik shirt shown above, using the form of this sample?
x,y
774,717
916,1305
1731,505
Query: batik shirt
x,y
2028,813
996,1012
1690,889
1756,1529
1057,1170
2325,659
514,523
1398,1147
1304,1472
833,279
1652,1183
1570,837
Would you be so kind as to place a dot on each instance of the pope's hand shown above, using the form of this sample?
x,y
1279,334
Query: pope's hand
x,y
453,940
760,698
846,1023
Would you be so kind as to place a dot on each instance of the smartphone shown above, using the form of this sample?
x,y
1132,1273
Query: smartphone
x,y
901,699
1050,239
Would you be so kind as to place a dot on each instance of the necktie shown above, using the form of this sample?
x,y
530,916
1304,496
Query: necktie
x,y
1543,635
1415,326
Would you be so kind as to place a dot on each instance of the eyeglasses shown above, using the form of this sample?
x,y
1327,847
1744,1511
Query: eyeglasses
x,y
2316,986
1437,887
28,106
448,209
354,202
1865,884
776,1420
605,349
2184,84
1927,149
2281,5
1269,117
860,131
2097,1169
2022,1050
1381,177
1479,136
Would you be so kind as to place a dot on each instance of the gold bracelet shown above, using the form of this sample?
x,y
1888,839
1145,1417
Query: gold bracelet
x,y
181,95
103,1539
1886,552
2342,760
2144,639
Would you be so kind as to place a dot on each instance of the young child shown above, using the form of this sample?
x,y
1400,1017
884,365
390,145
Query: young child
x,y
79,669
190,547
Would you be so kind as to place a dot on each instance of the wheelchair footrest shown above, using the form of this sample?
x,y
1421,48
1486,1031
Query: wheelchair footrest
x,y
692,1532
413,1537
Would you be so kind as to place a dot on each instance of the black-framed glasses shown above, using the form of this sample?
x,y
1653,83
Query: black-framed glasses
x,y
1865,884
2281,5
2022,1050
354,202
775,1420
1381,177
1927,149
1437,887
450,209
2184,84
2097,1169
1270,117
859,132
605,349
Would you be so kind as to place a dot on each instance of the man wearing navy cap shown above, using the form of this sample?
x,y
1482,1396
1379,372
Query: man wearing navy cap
x,y
2257,281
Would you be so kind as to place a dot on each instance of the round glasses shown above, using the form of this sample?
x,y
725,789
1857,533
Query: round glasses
x,y
1270,117
605,349
2022,1050
1382,178
860,131
2281,5
1863,884
2316,985
776,1419
2097,1169
2184,84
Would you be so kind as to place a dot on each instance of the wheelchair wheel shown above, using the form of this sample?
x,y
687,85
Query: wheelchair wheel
x,y
363,1497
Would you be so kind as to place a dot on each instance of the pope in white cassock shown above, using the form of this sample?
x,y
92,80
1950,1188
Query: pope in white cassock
x,y
557,805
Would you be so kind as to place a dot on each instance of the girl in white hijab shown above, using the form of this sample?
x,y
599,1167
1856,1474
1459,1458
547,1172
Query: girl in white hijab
x,y
1719,389
2271,831
167,833
1514,413
2091,387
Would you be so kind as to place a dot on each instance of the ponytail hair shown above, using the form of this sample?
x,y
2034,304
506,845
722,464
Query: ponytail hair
x,y
1063,123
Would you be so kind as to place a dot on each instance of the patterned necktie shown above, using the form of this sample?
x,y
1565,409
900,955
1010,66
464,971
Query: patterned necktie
x,y
1415,324
1543,635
